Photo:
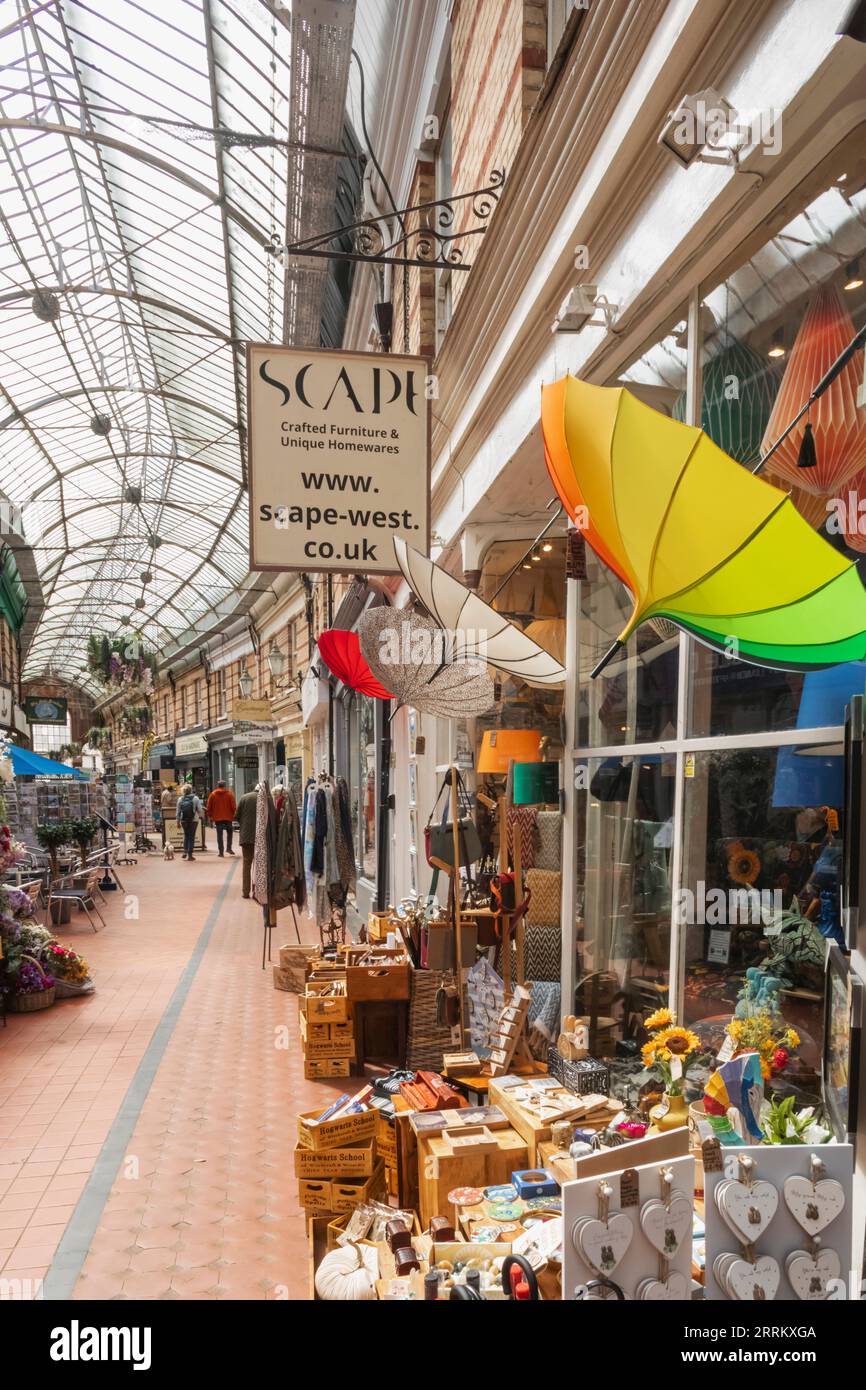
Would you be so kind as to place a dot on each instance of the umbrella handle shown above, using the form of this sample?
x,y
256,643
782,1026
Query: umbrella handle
x,y
608,656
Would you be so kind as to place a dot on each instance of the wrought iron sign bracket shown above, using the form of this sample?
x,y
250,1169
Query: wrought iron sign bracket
x,y
432,238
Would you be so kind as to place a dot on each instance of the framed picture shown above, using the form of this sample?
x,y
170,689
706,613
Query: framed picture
x,y
843,1006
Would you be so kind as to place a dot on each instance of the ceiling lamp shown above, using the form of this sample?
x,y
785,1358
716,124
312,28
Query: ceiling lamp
x,y
101,425
146,577
125,621
131,493
777,348
139,603
155,542
853,276
45,306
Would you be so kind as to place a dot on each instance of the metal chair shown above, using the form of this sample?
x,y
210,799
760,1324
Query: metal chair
x,y
81,893
35,890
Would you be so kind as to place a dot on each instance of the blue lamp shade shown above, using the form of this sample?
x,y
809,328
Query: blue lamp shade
x,y
536,784
815,776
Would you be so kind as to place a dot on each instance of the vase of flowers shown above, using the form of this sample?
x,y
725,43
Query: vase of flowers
x,y
671,1052
758,1025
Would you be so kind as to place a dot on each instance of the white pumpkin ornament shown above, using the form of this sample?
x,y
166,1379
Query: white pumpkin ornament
x,y
343,1277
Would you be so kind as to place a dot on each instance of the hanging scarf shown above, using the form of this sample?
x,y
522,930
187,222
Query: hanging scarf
x,y
309,838
265,845
345,843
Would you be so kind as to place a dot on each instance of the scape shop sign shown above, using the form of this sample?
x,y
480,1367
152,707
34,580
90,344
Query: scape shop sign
x,y
339,449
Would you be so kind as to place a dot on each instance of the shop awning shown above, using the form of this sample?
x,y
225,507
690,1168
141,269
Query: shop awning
x,y
27,764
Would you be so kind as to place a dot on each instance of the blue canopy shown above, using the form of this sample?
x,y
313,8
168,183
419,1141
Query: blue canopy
x,y
27,764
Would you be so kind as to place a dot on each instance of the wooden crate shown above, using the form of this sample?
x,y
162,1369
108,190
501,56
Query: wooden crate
x,y
346,1194
386,1141
339,1133
314,1032
323,1008
359,1161
442,1167
377,981
345,1029
320,1068
534,1130
329,1047
314,1194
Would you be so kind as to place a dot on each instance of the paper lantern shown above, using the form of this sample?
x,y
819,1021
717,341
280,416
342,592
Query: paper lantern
x,y
838,423
500,746
409,652
536,784
737,425
549,633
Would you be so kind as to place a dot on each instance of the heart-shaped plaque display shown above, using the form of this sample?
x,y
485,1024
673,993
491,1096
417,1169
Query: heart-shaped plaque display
x,y
756,1282
603,1243
814,1205
674,1290
748,1211
809,1275
666,1227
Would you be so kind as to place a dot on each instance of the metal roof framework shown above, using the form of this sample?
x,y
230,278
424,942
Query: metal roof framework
x,y
147,156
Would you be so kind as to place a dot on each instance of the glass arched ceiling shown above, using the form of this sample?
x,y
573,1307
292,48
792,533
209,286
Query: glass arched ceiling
x,y
144,226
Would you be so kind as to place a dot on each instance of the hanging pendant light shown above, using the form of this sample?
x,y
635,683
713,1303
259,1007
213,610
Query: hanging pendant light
x,y
245,685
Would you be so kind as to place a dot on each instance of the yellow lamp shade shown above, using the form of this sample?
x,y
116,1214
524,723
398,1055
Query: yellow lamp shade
x,y
499,746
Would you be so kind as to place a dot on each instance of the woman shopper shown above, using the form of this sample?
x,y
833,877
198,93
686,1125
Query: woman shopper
x,y
189,812
221,810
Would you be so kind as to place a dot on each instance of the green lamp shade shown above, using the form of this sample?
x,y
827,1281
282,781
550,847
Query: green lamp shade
x,y
536,784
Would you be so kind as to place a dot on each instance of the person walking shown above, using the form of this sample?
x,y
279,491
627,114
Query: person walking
x,y
221,810
247,837
189,813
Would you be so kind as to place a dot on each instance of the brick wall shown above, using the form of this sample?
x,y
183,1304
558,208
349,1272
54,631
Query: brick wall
x,y
421,283
498,61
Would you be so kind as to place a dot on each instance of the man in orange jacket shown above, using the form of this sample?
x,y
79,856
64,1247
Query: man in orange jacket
x,y
221,808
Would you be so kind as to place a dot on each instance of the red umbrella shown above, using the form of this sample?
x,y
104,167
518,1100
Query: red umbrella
x,y
342,652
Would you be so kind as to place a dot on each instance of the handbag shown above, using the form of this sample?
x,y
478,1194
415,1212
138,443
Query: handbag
x,y
545,907
439,839
548,831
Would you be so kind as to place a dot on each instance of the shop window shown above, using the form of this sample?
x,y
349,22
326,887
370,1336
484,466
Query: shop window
x,y
624,829
48,738
762,851
769,330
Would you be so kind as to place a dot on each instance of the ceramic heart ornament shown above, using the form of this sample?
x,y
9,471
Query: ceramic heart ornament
x,y
748,1211
809,1276
758,1282
814,1205
604,1243
674,1289
666,1227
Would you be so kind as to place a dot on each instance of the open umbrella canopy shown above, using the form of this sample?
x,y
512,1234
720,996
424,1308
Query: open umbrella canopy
x,y
27,764
697,538
474,628
342,651
412,654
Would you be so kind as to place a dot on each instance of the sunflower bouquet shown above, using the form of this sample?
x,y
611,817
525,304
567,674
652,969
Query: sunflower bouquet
x,y
671,1050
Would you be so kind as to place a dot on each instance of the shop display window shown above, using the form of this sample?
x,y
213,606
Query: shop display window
x,y
624,814
709,802
762,851
362,782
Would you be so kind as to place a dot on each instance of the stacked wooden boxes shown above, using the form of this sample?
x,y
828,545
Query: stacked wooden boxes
x,y
336,1163
327,1028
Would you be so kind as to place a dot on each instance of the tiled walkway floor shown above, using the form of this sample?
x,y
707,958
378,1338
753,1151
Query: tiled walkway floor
x,y
204,1201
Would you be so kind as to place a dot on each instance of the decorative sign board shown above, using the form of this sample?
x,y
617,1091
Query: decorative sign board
x,y
45,709
339,458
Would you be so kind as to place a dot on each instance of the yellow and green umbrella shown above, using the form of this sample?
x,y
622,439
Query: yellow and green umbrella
x,y
697,538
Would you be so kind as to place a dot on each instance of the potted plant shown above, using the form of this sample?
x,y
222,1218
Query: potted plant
x,y
83,832
70,970
32,988
52,836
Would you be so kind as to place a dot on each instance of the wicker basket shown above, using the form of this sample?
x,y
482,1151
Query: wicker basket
x,y
64,989
31,1003
584,1077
